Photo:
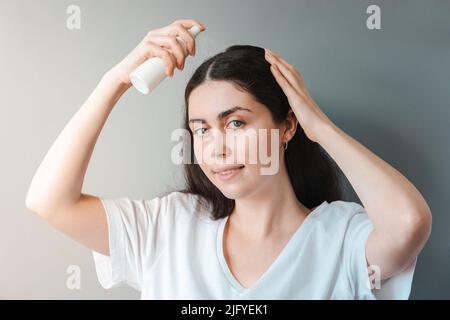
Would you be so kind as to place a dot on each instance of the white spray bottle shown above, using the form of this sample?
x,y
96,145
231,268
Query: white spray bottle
x,y
150,73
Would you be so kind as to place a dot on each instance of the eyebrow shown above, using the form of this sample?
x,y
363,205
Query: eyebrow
x,y
223,114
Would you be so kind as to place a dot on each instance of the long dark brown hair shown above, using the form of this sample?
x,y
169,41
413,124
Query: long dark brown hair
x,y
315,177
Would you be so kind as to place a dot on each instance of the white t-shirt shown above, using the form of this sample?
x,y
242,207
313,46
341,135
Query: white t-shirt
x,y
168,248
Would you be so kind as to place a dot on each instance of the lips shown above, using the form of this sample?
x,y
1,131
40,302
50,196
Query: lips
x,y
226,169
227,173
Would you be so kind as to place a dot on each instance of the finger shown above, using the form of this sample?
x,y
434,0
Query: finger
x,y
170,42
286,71
153,50
187,24
188,39
273,56
282,81
280,59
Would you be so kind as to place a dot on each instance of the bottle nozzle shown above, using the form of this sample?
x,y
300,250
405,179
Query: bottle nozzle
x,y
194,30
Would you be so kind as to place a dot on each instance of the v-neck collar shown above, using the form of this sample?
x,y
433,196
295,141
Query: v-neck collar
x,y
229,275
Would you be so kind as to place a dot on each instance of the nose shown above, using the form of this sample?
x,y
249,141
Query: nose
x,y
220,146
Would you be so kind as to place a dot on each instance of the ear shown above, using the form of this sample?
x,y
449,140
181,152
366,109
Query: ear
x,y
291,123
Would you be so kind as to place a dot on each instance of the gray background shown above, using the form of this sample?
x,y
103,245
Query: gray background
x,y
387,88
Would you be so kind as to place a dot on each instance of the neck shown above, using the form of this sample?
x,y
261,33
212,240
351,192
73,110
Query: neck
x,y
269,212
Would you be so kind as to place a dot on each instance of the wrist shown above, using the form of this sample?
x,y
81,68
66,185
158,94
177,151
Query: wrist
x,y
327,132
115,81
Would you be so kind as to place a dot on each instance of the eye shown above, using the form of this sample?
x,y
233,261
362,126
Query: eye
x,y
238,124
198,132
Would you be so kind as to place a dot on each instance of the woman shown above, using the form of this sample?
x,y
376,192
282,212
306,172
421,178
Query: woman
x,y
236,232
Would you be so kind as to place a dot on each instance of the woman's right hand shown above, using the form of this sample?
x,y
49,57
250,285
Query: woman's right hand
x,y
160,43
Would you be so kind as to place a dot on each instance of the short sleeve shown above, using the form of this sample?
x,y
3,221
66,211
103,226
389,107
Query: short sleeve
x,y
363,279
133,234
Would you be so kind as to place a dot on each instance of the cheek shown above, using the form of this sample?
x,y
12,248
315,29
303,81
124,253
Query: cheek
x,y
259,147
199,153
240,146
273,141
200,161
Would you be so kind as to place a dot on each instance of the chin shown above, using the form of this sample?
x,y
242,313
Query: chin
x,y
232,193
239,185
235,190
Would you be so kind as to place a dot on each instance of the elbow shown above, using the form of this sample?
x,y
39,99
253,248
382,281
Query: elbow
x,y
420,219
418,227
29,203
32,206
30,200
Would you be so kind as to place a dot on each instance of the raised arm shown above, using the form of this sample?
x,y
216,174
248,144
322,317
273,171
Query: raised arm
x,y
55,192
400,215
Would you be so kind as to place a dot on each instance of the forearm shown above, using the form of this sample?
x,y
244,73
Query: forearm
x,y
390,199
59,179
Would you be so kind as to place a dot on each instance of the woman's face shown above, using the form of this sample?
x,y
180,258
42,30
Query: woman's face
x,y
231,129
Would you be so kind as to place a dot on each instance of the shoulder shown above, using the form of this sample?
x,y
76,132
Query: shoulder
x,y
180,204
338,210
178,200
341,216
169,205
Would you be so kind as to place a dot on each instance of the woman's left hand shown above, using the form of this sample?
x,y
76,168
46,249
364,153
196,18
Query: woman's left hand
x,y
307,112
